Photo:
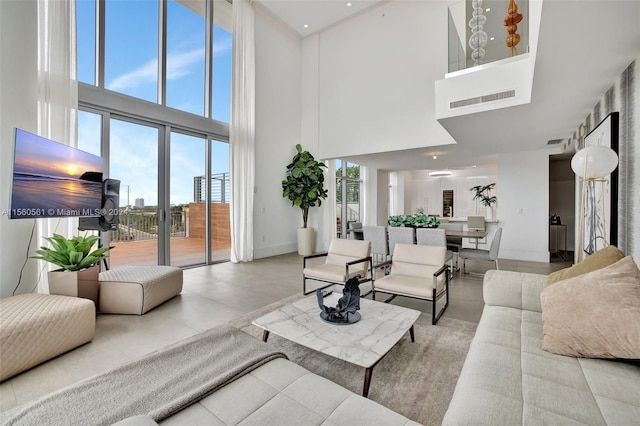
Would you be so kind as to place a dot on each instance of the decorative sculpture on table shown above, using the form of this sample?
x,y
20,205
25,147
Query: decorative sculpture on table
x,y
346,311
511,22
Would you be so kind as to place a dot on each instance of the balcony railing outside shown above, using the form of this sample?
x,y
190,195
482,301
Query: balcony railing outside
x,y
480,38
220,188
135,225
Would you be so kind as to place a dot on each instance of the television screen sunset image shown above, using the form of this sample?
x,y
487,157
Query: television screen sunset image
x,y
54,180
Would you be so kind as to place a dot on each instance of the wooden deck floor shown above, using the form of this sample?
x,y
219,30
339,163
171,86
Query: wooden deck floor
x,y
184,252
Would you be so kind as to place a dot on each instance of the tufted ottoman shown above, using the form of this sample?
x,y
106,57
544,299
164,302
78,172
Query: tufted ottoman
x,y
133,289
38,327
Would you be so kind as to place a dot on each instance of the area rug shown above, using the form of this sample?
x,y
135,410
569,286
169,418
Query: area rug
x,y
415,379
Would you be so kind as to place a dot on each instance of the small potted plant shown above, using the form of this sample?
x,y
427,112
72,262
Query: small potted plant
x,y
304,187
79,265
482,193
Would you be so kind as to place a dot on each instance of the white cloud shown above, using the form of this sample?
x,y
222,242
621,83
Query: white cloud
x,y
141,75
178,65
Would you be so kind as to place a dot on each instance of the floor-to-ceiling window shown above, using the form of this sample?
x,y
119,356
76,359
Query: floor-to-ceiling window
x,y
348,200
154,100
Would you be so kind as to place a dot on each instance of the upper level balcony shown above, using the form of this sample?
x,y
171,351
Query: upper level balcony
x,y
485,31
492,48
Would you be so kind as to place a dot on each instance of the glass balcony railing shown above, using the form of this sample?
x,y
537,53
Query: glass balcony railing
x,y
483,31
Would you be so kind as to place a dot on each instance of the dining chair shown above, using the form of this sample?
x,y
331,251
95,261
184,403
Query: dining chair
x,y
453,243
479,254
377,235
400,234
418,272
476,223
434,237
358,234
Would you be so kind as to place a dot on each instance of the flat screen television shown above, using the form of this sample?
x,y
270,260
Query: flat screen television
x,y
51,179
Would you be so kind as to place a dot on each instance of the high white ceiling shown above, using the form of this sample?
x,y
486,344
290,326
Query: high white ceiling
x,y
315,14
583,48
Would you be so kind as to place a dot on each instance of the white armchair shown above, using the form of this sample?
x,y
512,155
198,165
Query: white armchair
x,y
419,272
345,259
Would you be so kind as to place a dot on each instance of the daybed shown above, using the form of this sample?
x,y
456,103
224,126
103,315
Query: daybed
x,y
508,379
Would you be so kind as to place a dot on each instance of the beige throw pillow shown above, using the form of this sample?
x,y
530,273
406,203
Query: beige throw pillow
x,y
603,257
594,315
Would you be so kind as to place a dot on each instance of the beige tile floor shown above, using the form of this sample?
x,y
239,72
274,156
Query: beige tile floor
x,y
213,295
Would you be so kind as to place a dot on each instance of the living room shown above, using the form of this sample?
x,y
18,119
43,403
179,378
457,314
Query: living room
x,y
288,66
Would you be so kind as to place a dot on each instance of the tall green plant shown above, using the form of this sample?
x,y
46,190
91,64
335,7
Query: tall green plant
x,y
304,182
72,254
481,192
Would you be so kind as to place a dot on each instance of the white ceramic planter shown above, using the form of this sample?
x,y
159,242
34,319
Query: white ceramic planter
x,y
305,241
489,214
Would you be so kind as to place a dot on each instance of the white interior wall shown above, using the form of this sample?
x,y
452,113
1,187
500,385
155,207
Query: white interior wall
x,y
278,130
376,74
523,179
427,190
18,95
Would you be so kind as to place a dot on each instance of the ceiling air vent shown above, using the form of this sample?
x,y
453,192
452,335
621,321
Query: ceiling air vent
x,y
482,99
554,141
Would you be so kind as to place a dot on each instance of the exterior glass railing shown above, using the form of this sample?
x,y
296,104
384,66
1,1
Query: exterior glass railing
x,y
484,31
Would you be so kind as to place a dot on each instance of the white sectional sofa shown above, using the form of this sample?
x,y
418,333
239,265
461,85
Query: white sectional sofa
x,y
507,379
219,377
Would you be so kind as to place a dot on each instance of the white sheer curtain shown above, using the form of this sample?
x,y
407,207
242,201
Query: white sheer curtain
x,y
242,132
57,99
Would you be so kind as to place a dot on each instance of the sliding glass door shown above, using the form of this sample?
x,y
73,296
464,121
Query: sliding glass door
x,y
133,160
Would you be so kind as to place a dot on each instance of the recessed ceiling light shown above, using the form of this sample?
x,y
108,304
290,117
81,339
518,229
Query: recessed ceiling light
x,y
435,157
306,26
349,4
488,9
492,38
440,173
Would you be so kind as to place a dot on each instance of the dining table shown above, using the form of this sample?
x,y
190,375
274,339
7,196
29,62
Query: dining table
x,y
477,235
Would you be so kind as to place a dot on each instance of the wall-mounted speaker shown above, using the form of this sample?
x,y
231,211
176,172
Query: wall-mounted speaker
x,y
108,219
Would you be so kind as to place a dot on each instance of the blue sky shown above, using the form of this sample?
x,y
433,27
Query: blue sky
x,y
131,47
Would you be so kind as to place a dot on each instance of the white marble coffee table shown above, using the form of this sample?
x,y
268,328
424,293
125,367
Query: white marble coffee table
x,y
364,343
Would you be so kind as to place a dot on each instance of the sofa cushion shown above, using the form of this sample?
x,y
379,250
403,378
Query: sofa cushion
x,y
600,259
594,315
283,393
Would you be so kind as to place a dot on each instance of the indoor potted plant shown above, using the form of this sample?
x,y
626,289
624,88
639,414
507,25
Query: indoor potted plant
x,y
79,265
417,220
304,187
482,193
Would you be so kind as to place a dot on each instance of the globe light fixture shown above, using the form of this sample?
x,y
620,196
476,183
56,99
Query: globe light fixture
x,y
594,162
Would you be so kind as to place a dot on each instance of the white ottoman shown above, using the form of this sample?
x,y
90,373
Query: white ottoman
x,y
38,327
134,289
